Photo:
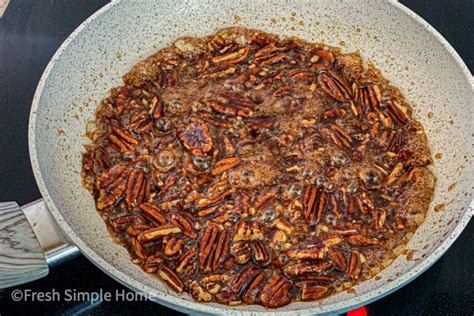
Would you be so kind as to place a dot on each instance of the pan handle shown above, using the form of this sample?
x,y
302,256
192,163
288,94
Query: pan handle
x,y
30,242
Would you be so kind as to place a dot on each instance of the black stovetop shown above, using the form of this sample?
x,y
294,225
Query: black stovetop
x,y
30,33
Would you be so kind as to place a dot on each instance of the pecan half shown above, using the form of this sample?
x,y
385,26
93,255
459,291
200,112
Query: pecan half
x,y
136,188
141,121
153,213
171,278
195,137
260,254
252,292
275,291
213,248
232,58
156,233
156,108
113,185
314,203
185,224
354,265
312,292
335,85
225,164
362,241
186,259
370,96
336,134
122,222
240,282
141,252
264,201
308,253
123,139
338,257
228,108
152,263
307,268
397,112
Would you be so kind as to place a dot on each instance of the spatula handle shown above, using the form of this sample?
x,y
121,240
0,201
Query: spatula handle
x,y
21,257
30,242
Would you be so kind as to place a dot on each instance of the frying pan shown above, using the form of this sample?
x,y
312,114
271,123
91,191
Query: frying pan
x,y
409,52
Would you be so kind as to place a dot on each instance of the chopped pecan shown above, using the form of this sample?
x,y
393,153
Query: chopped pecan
x,y
399,223
242,251
199,293
394,174
196,137
156,108
329,240
284,225
275,291
248,231
173,246
216,43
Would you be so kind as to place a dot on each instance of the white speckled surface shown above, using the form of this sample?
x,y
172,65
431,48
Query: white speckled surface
x,y
407,50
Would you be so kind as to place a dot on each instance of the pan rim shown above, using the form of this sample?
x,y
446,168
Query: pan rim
x,y
178,303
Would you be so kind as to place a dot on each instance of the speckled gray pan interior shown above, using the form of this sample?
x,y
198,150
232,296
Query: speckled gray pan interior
x,y
408,51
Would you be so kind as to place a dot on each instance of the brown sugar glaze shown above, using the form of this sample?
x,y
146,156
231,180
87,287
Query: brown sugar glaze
x,y
248,169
